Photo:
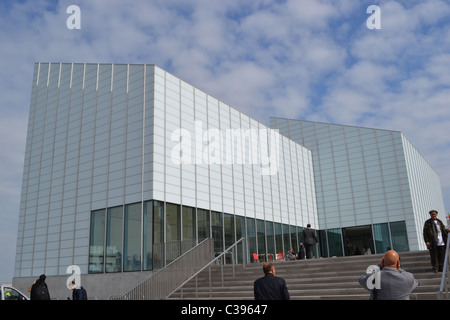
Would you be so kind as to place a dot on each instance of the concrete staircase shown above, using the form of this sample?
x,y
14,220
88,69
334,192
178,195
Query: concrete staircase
x,y
316,279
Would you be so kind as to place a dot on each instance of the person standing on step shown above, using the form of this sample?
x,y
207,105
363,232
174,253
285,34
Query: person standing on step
x,y
309,239
435,237
270,287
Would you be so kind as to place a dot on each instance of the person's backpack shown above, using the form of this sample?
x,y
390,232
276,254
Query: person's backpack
x,y
42,292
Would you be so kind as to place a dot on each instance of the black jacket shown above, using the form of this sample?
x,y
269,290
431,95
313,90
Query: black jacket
x,y
309,236
39,291
271,287
429,232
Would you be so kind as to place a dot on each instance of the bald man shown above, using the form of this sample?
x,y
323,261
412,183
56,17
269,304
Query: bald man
x,y
392,282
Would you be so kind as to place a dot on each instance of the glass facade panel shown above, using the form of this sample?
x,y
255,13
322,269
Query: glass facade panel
x,y
286,238
97,241
173,232
241,233
323,243
251,233
148,236
381,237
217,231
278,238
203,224
228,221
114,238
270,240
293,236
158,235
132,238
189,223
261,237
399,236
335,242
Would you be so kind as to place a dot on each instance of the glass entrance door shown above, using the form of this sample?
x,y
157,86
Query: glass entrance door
x,y
358,240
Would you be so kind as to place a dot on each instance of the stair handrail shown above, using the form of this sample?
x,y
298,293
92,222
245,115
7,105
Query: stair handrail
x,y
214,261
159,278
444,292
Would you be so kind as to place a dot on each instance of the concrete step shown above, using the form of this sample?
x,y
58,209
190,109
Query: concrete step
x,y
316,279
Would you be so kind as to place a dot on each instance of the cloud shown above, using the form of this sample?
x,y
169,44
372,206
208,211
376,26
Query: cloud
x,y
308,59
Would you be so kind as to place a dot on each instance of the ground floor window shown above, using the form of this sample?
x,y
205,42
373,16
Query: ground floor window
x,y
149,235
368,239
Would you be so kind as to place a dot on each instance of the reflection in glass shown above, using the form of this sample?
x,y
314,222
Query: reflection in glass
x,y
114,239
270,240
399,236
381,237
158,234
240,233
189,229
261,232
97,241
228,221
203,222
217,231
278,238
286,238
132,239
251,233
335,242
173,232
148,236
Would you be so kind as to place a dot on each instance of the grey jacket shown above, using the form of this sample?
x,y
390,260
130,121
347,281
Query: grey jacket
x,y
394,284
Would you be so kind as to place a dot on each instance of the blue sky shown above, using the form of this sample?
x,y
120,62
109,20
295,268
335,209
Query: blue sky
x,y
303,59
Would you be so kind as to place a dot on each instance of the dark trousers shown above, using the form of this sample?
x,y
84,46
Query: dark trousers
x,y
309,249
437,255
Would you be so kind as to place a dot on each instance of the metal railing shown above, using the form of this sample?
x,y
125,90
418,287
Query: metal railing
x,y
164,280
443,293
229,256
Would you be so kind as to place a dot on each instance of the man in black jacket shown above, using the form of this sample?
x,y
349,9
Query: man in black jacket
x,y
435,236
39,290
270,287
309,239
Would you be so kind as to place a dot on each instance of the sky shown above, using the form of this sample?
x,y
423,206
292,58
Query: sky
x,y
315,60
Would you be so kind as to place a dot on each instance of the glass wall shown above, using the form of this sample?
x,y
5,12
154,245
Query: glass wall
x,y
148,235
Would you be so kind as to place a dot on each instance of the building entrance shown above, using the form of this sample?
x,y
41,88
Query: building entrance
x,y
358,240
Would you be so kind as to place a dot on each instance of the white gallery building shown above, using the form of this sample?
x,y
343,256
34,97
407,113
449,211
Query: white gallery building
x,y
123,160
